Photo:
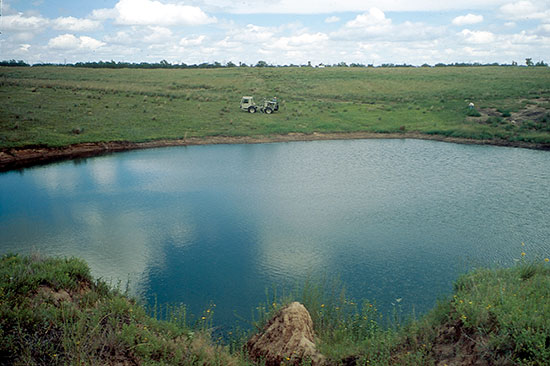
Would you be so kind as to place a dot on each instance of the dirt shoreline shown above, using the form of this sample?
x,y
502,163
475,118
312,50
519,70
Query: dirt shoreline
x,y
17,158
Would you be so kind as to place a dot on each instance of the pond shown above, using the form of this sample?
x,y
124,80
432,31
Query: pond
x,y
221,224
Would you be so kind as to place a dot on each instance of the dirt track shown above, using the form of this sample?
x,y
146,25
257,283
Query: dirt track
x,y
17,158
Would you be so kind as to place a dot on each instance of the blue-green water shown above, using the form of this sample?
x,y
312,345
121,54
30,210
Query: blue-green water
x,y
221,224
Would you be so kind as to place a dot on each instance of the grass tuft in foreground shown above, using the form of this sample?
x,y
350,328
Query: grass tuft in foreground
x,y
495,317
53,313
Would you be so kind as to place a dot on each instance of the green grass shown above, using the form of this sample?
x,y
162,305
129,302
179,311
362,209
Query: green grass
x,y
47,105
52,312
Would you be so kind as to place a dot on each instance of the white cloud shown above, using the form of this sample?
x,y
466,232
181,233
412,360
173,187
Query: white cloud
x,y
369,24
19,22
252,34
374,18
477,37
374,25
331,6
75,24
23,36
543,29
467,19
122,38
151,12
186,42
90,43
525,9
158,35
71,42
152,30
310,40
64,41
22,50
104,14
524,38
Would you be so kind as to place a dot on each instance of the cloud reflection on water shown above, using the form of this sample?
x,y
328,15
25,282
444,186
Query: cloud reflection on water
x,y
223,223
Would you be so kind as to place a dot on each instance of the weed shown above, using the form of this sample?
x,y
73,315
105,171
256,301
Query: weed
x,y
504,113
494,120
472,112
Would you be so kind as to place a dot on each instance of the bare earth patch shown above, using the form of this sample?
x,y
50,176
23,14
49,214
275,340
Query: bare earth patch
x,y
16,158
533,116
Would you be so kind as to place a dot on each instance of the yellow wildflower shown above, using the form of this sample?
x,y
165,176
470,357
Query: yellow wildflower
x,y
322,305
547,260
523,254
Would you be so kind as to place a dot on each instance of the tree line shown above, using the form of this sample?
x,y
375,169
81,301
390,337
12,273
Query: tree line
x,y
205,65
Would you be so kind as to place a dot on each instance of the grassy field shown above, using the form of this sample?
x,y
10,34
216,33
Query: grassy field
x,y
58,106
52,312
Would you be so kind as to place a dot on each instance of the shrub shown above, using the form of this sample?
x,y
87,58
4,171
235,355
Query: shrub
x,y
472,112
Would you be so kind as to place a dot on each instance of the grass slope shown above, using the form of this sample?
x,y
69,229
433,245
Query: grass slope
x,y
58,106
53,313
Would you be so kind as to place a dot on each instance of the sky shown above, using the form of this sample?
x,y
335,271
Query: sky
x,y
279,32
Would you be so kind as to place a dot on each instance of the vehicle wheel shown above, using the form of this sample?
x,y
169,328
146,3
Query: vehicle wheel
x,y
251,109
268,110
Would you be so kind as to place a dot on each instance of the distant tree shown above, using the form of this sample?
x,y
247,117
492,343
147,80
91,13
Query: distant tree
x,y
342,64
514,63
541,63
13,63
230,64
529,61
262,64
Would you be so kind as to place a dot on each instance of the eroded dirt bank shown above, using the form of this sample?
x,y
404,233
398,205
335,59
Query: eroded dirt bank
x,y
16,158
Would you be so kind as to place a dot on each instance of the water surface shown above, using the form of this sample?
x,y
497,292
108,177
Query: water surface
x,y
220,224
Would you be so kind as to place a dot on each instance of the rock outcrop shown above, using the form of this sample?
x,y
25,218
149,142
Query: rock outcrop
x,y
287,339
